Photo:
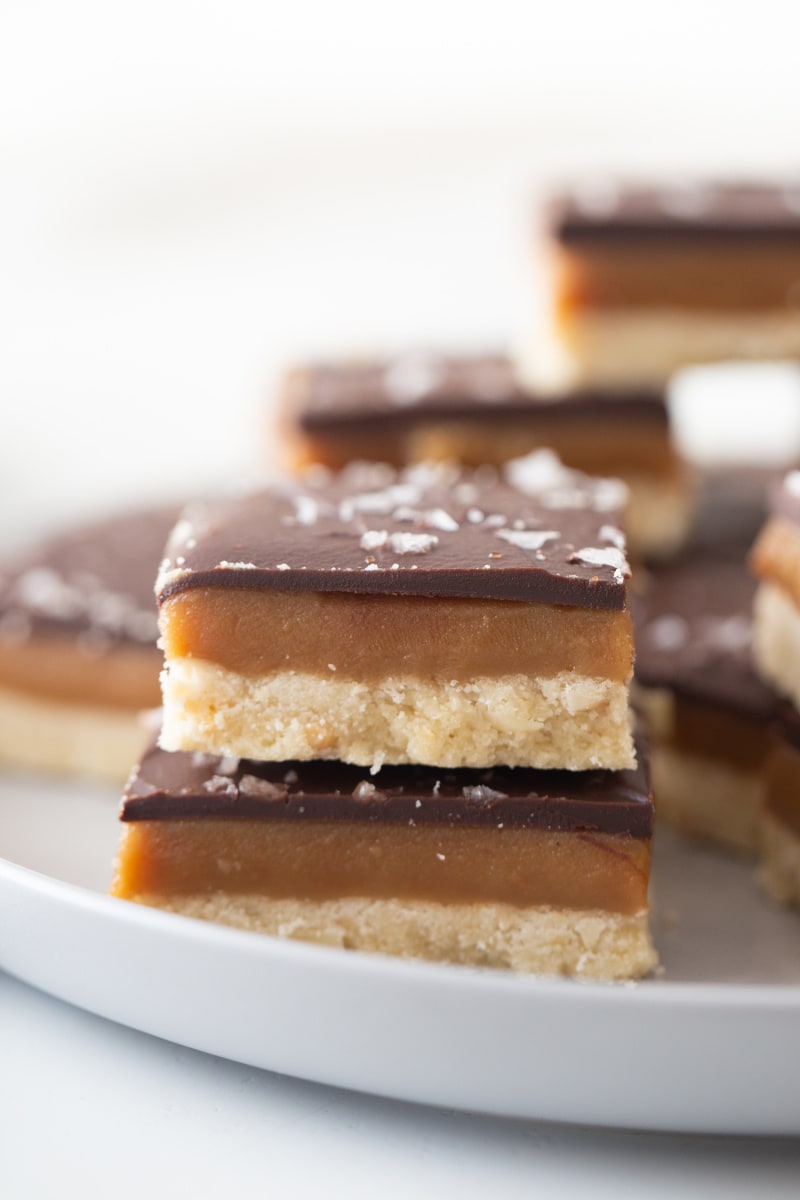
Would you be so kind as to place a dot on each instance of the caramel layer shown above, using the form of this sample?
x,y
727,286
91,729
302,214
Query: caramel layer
x,y
53,666
716,277
716,732
594,446
359,637
783,784
319,860
776,556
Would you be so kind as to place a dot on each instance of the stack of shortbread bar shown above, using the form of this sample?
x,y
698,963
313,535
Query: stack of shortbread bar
x,y
396,718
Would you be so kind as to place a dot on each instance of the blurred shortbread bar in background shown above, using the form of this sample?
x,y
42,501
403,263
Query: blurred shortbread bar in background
x,y
708,712
648,279
78,656
431,615
471,409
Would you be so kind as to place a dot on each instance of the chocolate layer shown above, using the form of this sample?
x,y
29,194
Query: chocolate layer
x,y
171,786
95,581
397,392
693,636
698,212
538,533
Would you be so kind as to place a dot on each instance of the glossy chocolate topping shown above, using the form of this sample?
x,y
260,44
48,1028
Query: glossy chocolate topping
x,y
173,785
693,636
705,212
398,391
96,580
537,533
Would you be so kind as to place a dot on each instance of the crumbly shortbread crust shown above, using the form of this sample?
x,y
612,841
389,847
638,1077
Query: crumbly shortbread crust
x,y
568,721
79,739
707,798
629,346
587,944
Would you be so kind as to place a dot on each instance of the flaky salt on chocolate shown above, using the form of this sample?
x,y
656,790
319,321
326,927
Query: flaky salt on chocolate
x,y
430,615
534,870
649,279
472,409
78,656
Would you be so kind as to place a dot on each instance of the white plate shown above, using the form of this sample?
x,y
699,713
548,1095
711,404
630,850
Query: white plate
x,y
711,1046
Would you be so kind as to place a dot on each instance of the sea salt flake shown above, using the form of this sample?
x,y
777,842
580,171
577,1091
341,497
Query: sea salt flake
x,y
481,792
373,539
528,539
614,535
604,556
668,632
411,376
220,785
365,790
254,785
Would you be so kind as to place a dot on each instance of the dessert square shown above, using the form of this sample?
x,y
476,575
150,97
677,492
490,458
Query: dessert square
x,y
536,871
78,655
429,615
648,279
776,562
708,712
421,406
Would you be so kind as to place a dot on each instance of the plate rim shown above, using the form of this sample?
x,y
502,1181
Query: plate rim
x,y
663,993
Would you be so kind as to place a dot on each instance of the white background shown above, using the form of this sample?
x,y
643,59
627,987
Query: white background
x,y
191,195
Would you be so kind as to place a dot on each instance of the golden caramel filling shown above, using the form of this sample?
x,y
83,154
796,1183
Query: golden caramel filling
x,y
53,665
783,784
584,445
328,860
668,275
717,733
776,556
254,632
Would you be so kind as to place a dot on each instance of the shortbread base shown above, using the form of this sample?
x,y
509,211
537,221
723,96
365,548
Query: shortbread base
x,y
569,721
659,514
69,739
587,944
705,798
776,640
780,861
631,346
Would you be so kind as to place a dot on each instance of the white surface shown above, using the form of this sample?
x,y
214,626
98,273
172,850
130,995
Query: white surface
x,y
89,1110
703,1049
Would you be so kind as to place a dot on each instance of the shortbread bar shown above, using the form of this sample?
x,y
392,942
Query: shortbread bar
x,y
776,562
423,406
649,279
78,656
708,712
424,616
536,871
